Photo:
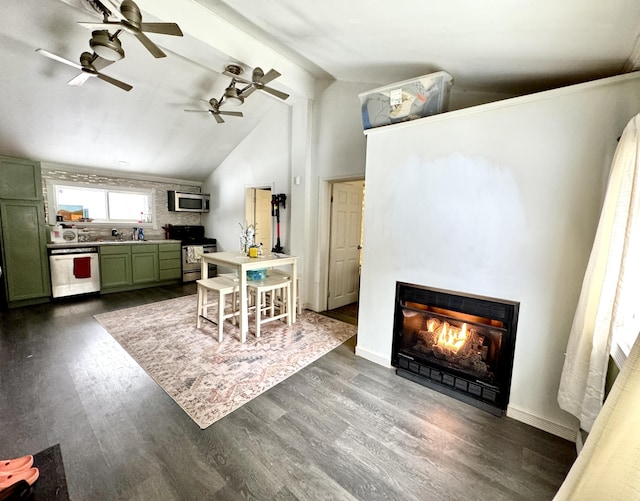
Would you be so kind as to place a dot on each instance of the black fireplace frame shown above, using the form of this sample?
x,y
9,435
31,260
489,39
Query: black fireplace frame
x,y
493,398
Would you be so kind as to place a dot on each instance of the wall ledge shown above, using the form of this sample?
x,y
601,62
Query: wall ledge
x,y
505,103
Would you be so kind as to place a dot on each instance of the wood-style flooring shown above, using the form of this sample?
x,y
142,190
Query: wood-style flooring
x,y
343,428
347,313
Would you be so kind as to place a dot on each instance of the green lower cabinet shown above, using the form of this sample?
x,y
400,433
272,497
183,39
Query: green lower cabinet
x,y
144,264
115,266
24,247
170,261
134,266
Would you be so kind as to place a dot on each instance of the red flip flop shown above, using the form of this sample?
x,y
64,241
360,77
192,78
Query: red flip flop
x,y
8,466
30,475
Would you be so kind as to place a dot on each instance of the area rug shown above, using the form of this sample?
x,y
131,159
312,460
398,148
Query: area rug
x,y
207,379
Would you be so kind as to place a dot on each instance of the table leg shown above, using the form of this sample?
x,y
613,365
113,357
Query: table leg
x,y
204,269
244,321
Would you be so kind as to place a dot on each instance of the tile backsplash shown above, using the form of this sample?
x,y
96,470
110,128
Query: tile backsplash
x,y
99,178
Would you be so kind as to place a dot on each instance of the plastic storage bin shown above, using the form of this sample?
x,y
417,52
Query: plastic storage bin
x,y
260,274
408,100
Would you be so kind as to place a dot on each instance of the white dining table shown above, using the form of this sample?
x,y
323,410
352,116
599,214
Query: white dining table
x,y
242,264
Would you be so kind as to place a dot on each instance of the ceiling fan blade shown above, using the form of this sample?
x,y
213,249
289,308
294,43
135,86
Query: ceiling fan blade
x,y
231,113
197,111
248,91
100,26
151,47
162,28
275,92
60,59
236,77
117,83
217,117
80,79
270,75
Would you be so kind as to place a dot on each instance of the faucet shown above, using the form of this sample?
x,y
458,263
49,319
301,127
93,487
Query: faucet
x,y
117,234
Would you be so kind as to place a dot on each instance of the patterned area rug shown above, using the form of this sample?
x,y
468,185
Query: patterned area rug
x,y
207,379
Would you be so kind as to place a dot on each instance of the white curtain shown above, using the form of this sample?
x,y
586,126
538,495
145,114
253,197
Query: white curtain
x,y
609,465
608,300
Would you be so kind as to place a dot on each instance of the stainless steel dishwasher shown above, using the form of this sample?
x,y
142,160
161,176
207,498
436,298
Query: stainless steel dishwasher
x,y
74,270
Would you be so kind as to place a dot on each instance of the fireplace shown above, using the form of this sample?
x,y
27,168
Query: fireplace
x,y
459,344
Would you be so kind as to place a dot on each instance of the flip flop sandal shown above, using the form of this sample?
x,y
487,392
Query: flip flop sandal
x,y
30,476
8,466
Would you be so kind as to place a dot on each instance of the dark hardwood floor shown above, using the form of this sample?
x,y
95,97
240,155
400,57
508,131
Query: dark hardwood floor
x,y
342,428
347,313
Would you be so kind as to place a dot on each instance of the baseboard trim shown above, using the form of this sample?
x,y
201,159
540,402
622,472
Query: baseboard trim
x,y
373,357
542,424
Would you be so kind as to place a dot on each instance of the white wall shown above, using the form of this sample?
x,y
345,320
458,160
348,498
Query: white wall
x,y
262,159
338,153
500,200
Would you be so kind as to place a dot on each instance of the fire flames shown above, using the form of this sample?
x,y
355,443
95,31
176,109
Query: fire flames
x,y
450,339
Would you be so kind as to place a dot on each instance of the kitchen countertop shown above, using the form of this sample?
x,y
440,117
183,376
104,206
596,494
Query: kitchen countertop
x,y
94,243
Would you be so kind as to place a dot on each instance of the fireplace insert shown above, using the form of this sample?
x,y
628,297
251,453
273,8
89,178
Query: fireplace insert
x,y
459,344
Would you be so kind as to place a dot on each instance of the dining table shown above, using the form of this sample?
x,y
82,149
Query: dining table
x,y
242,263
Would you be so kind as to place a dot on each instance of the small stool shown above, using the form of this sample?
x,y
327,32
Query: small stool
x,y
271,293
223,287
282,273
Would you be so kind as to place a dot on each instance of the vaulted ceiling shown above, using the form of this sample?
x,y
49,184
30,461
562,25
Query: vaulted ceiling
x,y
497,46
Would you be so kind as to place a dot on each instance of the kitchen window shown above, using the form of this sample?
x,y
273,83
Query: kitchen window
x,y
77,203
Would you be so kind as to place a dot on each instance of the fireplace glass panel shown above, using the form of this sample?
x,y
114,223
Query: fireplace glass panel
x,y
465,343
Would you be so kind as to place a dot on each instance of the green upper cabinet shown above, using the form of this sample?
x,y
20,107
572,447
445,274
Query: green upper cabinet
x,y
24,249
20,179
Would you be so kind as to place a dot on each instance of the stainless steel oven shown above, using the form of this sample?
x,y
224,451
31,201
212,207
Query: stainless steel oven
x,y
191,264
194,244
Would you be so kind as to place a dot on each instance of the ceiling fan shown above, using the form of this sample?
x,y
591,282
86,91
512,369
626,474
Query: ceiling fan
x,y
214,110
129,20
90,65
258,80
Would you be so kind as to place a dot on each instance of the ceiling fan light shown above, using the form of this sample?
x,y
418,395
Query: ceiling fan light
x,y
231,96
106,47
108,53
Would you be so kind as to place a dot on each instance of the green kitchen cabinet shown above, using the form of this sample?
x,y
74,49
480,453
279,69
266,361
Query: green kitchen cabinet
x,y
115,266
144,263
170,261
128,266
24,249
20,179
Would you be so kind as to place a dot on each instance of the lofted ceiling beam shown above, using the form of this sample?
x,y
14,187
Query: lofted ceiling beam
x,y
211,29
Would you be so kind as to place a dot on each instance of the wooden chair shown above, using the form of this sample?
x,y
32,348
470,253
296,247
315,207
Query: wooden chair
x,y
271,294
222,287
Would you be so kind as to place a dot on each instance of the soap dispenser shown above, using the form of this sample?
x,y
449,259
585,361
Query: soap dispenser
x,y
140,233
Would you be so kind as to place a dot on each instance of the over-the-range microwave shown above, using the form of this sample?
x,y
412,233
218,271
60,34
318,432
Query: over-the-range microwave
x,y
188,202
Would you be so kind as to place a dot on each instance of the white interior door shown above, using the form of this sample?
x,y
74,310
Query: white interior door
x,y
344,248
